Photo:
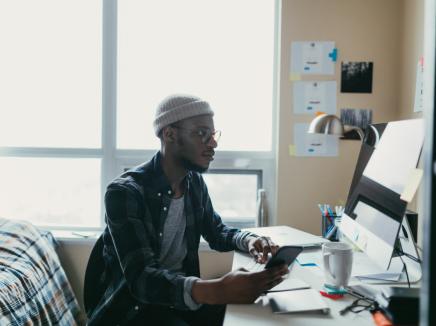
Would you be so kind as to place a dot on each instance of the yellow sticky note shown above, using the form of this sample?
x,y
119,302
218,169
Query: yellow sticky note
x,y
292,150
412,185
294,77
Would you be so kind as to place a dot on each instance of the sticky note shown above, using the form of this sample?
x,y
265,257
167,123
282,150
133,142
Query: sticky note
x,y
292,150
412,185
334,54
294,77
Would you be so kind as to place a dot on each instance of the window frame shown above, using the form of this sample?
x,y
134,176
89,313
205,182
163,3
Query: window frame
x,y
114,160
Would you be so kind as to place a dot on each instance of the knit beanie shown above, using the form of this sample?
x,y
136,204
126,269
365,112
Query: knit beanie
x,y
178,107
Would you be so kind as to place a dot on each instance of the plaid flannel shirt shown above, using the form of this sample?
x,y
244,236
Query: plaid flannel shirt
x,y
136,208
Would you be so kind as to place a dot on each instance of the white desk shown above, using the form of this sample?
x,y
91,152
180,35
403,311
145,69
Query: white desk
x,y
260,312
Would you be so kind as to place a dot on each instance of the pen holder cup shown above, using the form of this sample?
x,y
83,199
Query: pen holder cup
x,y
330,227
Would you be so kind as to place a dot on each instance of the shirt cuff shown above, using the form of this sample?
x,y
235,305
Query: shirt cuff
x,y
242,239
187,293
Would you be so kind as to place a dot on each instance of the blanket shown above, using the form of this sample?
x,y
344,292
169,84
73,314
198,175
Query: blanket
x,y
34,289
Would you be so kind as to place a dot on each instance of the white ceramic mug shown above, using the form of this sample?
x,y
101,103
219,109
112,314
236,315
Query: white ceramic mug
x,y
338,262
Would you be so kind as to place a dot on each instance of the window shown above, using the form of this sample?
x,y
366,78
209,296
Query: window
x,y
215,49
234,195
50,111
73,116
50,80
51,191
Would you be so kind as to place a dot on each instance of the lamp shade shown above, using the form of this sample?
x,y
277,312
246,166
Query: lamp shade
x,y
327,124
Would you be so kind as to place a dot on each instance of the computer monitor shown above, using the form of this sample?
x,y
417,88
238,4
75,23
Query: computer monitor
x,y
373,231
372,136
374,209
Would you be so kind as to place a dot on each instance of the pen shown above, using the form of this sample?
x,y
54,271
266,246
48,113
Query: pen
x,y
321,209
331,232
330,210
83,235
339,210
328,213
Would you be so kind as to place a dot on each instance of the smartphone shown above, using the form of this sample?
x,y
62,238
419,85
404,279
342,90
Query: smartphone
x,y
285,255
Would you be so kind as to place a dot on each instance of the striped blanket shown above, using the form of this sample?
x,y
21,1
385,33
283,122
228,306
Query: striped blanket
x,y
34,289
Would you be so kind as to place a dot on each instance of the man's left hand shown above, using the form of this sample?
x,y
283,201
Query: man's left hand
x,y
260,247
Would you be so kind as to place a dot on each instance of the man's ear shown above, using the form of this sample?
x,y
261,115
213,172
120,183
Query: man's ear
x,y
168,134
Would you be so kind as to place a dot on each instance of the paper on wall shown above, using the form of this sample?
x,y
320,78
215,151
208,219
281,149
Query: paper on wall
x,y
313,57
412,185
314,96
314,144
419,98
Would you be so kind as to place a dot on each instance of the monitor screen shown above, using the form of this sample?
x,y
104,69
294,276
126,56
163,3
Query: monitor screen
x,y
396,154
372,136
374,209
383,229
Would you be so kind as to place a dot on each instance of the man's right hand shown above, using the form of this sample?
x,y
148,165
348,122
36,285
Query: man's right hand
x,y
239,286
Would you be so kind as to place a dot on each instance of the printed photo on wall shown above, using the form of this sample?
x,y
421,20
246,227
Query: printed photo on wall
x,y
359,118
356,77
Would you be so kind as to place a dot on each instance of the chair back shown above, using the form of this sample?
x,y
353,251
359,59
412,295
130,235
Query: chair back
x,y
91,293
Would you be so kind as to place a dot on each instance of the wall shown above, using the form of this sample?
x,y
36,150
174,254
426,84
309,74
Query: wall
x,y
74,254
412,50
363,31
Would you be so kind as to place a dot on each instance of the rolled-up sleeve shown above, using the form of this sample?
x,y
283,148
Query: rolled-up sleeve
x,y
189,301
146,280
242,239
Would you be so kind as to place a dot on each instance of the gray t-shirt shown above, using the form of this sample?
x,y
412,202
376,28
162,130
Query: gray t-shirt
x,y
174,250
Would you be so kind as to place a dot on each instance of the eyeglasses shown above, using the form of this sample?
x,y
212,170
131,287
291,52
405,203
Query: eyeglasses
x,y
204,134
359,305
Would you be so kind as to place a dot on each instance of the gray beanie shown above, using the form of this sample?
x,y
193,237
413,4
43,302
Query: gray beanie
x,y
178,107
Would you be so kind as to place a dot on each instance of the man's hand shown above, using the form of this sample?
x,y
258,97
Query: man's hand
x,y
260,247
239,286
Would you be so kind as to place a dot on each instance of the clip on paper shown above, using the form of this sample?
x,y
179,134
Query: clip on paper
x,y
334,55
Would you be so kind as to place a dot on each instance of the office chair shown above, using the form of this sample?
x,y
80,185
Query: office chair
x,y
94,269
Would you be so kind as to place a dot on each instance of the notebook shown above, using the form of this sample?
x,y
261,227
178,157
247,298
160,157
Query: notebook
x,y
300,301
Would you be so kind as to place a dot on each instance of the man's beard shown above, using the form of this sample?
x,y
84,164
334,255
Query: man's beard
x,y
190,166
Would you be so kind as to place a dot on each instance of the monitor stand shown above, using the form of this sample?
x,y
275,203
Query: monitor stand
x,y
406,244
394,272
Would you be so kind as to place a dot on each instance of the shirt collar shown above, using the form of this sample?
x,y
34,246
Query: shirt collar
x,y
159,180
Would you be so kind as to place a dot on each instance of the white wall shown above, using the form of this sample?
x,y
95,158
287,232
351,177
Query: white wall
x,y
74,255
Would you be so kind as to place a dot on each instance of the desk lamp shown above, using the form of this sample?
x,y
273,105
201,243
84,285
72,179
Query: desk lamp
x,y
330,124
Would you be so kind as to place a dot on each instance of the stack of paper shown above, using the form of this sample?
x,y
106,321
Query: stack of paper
x,y
364,269
286,236
308,300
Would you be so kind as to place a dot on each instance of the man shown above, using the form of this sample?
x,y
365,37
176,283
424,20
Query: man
x,y
155,215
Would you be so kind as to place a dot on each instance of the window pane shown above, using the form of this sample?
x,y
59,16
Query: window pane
x,y
233,195
220,50
50,80
51,191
